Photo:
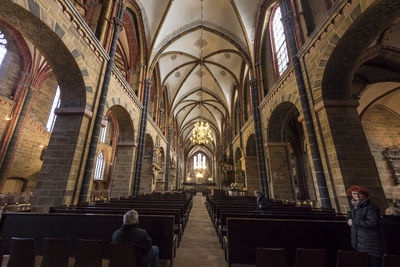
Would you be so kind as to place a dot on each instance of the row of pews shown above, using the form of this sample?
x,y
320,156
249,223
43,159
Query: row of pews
x,y
164,216
242,229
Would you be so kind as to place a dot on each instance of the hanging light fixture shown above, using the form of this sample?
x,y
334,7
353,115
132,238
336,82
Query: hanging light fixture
x,y
201,134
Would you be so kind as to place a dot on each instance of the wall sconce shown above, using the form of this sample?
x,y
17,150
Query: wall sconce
x,y
41,146
8,118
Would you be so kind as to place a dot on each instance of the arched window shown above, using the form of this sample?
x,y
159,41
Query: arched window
x,y
279,48
99,171
3,46
104,133
52,117
204,162
195,162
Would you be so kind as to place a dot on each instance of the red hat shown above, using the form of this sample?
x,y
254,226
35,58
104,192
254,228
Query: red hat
x,y
358,188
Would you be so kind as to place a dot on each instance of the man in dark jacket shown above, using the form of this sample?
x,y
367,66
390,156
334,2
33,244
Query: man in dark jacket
x,y
263,204
364,220
130,232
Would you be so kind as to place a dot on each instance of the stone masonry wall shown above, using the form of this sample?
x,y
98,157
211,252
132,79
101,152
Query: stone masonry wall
x,y
382,129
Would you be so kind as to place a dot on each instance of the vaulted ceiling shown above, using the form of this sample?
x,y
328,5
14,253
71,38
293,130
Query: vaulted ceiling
x,y
203,49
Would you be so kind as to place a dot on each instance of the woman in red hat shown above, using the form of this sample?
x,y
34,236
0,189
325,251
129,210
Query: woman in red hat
x,y
364,220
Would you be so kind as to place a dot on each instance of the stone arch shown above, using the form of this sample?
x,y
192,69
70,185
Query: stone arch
x,y
282,123
344,60
121,184
352,162
149,167
69,132
48,42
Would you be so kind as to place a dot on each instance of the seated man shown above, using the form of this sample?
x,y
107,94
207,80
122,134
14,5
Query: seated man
x,y
130,232
263,204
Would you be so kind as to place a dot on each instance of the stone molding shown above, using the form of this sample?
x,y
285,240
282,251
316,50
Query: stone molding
x,y
274,144
126,144
340,103
73,112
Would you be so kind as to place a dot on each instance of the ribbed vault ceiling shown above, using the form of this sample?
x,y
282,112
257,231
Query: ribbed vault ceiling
x,y
202,55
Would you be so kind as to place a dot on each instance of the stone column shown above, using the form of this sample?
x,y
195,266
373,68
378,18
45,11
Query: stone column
x,y
62,160
349,155
122,182
279,170
312,140
90,163
262,170
177,167
142,136
168,160
252,176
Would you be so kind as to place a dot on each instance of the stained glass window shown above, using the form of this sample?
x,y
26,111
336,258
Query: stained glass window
x,y
281,53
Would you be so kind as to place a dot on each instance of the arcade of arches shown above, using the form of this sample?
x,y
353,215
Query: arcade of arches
x,y
302,98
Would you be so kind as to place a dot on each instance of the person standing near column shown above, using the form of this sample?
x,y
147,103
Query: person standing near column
x,y
364,220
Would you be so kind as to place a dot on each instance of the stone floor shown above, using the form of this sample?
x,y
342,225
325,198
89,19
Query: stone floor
x,y
200,245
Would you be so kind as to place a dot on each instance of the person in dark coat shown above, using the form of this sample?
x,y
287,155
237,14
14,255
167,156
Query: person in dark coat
x,y
130,232
263,204
364,220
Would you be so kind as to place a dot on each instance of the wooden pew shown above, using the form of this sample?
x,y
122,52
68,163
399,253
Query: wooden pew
x,y
83,226
178,225
245,235
296,216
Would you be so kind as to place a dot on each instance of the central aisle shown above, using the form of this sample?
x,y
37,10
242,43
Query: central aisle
x,y
200,245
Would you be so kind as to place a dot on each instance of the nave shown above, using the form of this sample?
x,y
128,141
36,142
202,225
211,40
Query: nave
x,y
199,246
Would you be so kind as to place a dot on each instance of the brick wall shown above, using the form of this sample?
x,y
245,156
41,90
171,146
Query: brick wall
x,y
382,129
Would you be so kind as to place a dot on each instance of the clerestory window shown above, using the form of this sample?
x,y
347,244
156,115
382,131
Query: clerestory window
x,y
279,47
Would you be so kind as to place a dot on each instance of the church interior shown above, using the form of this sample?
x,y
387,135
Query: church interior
x,y
187,107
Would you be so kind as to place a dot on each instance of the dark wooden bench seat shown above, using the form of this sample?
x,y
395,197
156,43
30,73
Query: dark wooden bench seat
x,y
178,225
222,228
84,226
245,235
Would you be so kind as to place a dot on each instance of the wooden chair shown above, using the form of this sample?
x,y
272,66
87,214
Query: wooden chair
x,y
348,258
22,253
88,253
306,257
55,252
391,261
122,255
271,257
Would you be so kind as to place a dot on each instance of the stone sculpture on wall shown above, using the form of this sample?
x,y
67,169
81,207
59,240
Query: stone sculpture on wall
x,y
392,155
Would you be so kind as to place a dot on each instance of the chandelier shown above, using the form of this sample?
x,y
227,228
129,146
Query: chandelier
x,y
201,134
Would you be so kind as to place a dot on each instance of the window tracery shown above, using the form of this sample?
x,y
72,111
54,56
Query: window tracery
x,y
99,170
279,42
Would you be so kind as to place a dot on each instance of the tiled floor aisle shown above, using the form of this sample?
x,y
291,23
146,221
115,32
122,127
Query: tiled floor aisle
x,y
199,246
